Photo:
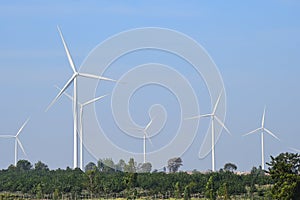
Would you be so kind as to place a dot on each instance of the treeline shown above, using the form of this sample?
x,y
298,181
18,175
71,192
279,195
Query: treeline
x,y
99,180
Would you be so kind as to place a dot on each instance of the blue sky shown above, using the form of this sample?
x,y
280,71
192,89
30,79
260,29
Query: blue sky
x,y
255,45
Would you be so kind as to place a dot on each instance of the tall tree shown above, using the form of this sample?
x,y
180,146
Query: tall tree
x,y
230,167
186,193
92,180
39,192
40,166
223,191
210,192
131,167
109,165
144,167
24,165
120,165
177,191
174,164
90,166
284,170
100,165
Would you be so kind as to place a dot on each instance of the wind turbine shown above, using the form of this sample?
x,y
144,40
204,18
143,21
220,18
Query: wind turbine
x,y
81,106
73,79
263,130
17,141
213,117
145,136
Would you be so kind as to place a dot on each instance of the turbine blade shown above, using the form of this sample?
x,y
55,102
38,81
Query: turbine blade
x,y
67,50
21,146
263,118
136,129
252,131
272,134
217,103
22,127
198,116
7,136
148,125
94,100
222,124
96,77
65,93
149,139
60,93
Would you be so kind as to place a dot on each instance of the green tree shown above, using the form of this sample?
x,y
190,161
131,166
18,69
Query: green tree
x,y
56,194
254,174
39,192
145,167
186,193
209,189
230,167
92,180
177,191
23,165
11,168
284,170
100,165
223,191
130,181
90,166
109,165
41,166
120,165
174,164
131,167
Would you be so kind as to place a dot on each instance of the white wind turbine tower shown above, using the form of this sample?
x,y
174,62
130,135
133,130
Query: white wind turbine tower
x,y
73,79
17,141
81,107
213,117
263,130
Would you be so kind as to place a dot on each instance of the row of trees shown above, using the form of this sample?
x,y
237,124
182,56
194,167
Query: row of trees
x,y
107,165
103,181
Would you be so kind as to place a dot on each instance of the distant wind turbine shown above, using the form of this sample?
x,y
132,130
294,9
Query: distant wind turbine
x,y
213,117
73,79
263,130
81,107
145,137
17,141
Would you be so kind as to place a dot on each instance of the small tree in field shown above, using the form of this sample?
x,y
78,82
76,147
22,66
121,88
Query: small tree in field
x,y
174,164
230,167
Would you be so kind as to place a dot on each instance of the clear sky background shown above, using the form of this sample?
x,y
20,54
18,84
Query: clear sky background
x,y
255,44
